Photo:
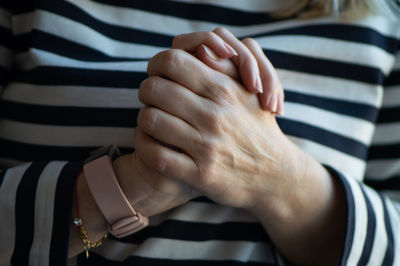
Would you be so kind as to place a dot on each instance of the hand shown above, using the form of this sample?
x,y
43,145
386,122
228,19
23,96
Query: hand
x,y
234,153
148,190
227,146
244,67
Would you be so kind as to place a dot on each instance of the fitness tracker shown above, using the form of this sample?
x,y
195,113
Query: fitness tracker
x,y
121,216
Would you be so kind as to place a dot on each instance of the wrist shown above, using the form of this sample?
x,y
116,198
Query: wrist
x,y
122,217
127,170
302,188
308,213
147,191
90,212
92,218
271,199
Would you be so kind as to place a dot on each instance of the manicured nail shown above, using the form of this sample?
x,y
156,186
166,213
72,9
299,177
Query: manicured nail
x,y
230,50
281,109
273,103
258,84
210,53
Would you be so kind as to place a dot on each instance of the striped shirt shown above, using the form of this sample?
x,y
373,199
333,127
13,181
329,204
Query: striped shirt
x,y
69,77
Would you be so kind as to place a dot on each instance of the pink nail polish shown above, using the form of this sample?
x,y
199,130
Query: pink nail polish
x,y
258,85
281,108
210,53
230,50
273,103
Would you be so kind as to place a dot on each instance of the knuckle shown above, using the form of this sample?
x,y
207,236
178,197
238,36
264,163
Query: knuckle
x,y
147,89
207,175
153,62
213,120
173,59
221,92
159,161
208,149
147,119
223,87
219,30
165,62
250,42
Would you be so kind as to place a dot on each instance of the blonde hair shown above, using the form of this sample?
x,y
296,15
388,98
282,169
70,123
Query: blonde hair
x,y
347,8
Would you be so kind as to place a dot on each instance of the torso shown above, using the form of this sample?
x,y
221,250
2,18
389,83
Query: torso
x,y
74,87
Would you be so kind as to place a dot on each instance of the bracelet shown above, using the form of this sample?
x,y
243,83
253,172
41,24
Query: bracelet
x,y
87,244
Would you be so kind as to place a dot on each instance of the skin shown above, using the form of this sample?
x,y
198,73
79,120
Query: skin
x,y
218,142
247,70
148,190
235,154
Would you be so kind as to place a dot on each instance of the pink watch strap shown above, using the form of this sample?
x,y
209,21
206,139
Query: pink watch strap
x,y
119,213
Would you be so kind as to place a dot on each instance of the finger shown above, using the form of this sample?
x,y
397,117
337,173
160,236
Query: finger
x,y
169,129
174,99
246,62
272,97
223,65
281,105
186,70
190,42
166,161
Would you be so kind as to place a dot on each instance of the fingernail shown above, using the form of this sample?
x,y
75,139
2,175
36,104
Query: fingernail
x,y
210,53
258,84
230,49
281,109
273,103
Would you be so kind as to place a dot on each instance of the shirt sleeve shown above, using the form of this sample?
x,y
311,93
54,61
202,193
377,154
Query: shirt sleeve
x,y
5,46
36,197
35,211
373,221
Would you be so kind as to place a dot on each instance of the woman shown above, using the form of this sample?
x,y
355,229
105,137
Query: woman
x,y
85,57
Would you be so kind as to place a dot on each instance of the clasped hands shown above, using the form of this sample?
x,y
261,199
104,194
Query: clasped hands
x,y
203,131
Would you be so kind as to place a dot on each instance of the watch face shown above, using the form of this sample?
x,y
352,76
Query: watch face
x,y
110,150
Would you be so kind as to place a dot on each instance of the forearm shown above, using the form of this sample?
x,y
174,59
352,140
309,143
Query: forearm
x,y
148,192
306,220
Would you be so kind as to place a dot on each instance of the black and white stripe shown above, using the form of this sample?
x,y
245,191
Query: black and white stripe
x,y
69,73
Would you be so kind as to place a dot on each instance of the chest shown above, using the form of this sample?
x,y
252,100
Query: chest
x,y
332,70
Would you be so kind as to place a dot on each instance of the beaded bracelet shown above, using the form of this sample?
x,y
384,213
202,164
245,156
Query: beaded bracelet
x,y
87,244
